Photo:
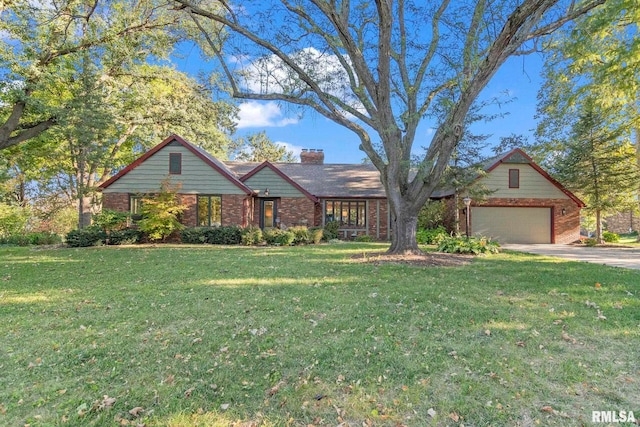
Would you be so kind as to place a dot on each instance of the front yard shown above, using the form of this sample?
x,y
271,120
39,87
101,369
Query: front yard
x,y
204,335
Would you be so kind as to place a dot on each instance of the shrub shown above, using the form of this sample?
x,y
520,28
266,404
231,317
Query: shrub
x,y
110,220
225,235
89,236
278,237
431,236
610,237
13,219
315,234
432,215
128,236
251,235
301,235
160,213
331,230
591,242
193,235
39,238
364,238
467,245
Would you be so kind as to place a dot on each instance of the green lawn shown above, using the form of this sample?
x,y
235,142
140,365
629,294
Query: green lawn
x,y
182,336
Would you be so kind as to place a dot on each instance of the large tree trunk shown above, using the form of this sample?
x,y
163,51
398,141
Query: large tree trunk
x,y
84,211
404,224
598,226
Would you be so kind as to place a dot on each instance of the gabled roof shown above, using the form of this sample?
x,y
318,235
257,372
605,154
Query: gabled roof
x,y
322,180
518,156
220,167
269,165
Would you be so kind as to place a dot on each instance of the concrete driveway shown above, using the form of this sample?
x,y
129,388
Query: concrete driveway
x,y
616,257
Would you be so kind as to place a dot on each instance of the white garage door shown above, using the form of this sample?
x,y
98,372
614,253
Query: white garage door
x,y
512,225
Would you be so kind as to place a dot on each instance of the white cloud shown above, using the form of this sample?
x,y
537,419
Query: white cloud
x,y
296,149
259,114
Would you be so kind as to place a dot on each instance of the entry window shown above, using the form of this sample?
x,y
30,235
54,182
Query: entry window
x,y
135,207
209,211
349,213
175,163
514,178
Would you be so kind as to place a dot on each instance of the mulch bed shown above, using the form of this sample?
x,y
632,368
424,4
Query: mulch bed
x,y
418,260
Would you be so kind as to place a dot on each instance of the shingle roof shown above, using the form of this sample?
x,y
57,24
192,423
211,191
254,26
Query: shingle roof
x,y
325,180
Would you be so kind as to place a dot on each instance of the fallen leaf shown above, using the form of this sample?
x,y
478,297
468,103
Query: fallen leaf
x,y
598,285
487,332
225,406
455,417
187,393
547,409
107,402
196,341
601,316
431,412
136,411
521,344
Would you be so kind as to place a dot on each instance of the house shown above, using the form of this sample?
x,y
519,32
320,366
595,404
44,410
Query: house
x,y
527,205
266,194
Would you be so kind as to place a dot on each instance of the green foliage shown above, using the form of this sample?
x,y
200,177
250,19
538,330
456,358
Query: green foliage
x,y
160,213
110,220
331,230
468,245
85,237
13,219
431,236
126,236
35,238
259,148
432,215
277,237
251,235
224,235
364,238
301,235
591,242
610,237
315,234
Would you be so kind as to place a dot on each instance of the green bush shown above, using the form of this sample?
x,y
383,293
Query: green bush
x,y
26,239
89,236
431,236
193,235
128,236
225,235
610,237
315,234
467,245
160,213
278,237
591,242
110,220
13,219
331,230
364,238
301,235
251,235
432,215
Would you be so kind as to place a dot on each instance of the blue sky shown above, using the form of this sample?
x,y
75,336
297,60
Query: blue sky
x,y
518,78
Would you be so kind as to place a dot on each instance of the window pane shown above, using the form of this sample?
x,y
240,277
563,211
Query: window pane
x,y
362,216
203,211
268,214
514,178
175,163
216,210
328,212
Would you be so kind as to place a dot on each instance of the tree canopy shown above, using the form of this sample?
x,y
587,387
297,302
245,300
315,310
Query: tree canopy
x,y
380,69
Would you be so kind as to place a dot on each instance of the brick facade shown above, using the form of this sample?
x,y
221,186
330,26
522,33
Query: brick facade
x,y
189,215
116,201
622,222
565,227
235,210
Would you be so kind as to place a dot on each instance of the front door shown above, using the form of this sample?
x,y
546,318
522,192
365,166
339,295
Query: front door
x,y
268,213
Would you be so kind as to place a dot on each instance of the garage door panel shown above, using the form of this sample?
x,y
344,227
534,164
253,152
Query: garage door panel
x,y
512,224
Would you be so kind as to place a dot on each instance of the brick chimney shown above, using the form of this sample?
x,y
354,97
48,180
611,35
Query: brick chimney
x,y
312,156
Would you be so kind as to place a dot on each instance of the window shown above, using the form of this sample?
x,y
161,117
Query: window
x,y
175,163
135,207
209,211
349,213
514,178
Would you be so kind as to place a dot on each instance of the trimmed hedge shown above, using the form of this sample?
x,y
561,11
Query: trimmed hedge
x,y
225,235
278,237
36,238
85,237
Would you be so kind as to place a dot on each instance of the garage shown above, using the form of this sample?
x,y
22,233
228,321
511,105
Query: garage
x,y
512,224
